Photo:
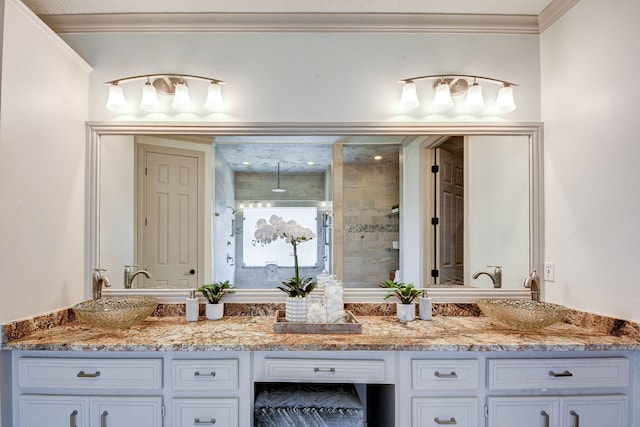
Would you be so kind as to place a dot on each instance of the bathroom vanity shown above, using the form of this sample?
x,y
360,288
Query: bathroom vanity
x,y
461,371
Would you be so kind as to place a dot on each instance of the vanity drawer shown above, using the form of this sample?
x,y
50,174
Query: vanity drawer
x,y
138,374
438,375
324,370
434,412
205,412
516,374
221,374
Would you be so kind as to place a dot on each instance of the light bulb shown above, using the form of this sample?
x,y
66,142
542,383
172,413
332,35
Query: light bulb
x,y
214,97
149,100
181,98
504,101
116,100
442,98
409,95
474,100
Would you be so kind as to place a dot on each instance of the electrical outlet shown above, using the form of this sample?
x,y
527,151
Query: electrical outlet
x,y
549,272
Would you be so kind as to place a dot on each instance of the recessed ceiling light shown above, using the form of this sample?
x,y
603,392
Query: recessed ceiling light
x,y
246,163
310,163
377,158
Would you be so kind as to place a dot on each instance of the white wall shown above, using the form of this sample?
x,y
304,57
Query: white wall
x,y
42,169
590,61
299,77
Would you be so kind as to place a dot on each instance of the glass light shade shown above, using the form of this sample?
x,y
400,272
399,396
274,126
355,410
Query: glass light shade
x,y
474,100
214,96
409,95
116,100
149,101
504,101
442,98
181,98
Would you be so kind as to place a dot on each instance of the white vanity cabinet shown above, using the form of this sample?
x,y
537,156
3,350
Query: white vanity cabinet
x,y
89,392
563,392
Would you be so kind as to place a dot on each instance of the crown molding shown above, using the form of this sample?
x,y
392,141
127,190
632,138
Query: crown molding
x,y
294,22
554,11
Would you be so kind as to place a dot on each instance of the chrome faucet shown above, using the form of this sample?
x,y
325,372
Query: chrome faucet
x,y
129,277
496,277
97,281
533,282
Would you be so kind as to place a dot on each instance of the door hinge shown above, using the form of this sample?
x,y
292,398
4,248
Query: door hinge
x,y
435,273
435,169
145,170
145,222
435,221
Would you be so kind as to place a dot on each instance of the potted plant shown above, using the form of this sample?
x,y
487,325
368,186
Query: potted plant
x,y
406,293
296,288
213,292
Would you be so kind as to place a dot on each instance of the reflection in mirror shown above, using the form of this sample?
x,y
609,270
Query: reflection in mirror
x,y
480,188
356,233
371,192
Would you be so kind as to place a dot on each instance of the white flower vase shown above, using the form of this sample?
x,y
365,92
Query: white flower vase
x,y
406,312
214,311
296,309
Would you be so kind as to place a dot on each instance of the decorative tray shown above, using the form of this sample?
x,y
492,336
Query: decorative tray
x,y
351,326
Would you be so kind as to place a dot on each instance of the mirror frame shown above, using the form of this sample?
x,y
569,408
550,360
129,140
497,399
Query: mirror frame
x,y
95,130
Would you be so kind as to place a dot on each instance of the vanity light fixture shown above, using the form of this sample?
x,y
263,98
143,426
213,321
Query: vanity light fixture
x,y
175,85
447,86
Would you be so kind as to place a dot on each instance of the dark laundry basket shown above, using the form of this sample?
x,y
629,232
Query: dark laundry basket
x,y
307,405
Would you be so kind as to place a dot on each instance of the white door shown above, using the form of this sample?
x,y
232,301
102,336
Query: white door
x,y
594,411
523,411
450,205
170,218
47,411
126,411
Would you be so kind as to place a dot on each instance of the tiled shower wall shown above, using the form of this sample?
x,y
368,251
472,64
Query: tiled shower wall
x,y
370,228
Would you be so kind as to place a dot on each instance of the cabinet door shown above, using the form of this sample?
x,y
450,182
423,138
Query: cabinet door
x,y
523,411
47,411
594,411
126,411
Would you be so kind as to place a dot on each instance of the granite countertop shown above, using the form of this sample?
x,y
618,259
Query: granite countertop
x,y
383,333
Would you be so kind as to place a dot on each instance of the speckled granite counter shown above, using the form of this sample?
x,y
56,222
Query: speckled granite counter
x,y
384,333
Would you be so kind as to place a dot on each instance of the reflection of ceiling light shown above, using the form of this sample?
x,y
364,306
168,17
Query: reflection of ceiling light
x,y
377,158
164,84
278,189
447,85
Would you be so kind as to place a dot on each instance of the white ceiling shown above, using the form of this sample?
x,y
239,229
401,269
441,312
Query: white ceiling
x,y
500,7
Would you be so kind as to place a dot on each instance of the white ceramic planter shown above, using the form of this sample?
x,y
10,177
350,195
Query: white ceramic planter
x,y
425,305
296,309
406,312
214,311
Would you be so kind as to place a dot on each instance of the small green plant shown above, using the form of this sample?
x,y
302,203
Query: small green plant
x,y
298,287
214,291
405,292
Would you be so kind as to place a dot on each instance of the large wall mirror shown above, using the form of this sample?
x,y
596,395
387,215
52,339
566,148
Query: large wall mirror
x,y
181,202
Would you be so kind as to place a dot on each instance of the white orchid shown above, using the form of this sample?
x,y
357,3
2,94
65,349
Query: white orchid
x,y
291,232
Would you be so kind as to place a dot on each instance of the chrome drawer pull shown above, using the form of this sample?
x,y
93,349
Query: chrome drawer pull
x,y
72,418
560,374
211,374
82,374
449,422
324,370
546,418
103,419
197,422
451,374
576,418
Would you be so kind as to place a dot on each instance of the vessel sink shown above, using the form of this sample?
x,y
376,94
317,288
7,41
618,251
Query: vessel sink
x,y
522,315
115,312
